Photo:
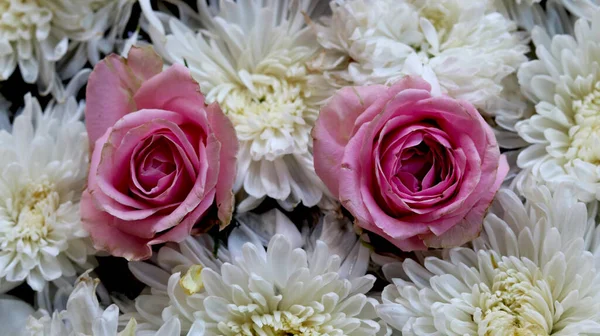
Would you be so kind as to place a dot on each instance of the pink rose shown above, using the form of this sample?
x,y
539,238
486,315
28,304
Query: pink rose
x,y
415,169
161,157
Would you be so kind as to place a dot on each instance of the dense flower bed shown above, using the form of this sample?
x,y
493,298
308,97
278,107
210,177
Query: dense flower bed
x,y
299,167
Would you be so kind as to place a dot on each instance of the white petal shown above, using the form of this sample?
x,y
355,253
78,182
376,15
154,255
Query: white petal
x,y
13,315
171,328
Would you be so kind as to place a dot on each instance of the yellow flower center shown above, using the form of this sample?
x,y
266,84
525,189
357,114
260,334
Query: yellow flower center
x,y
23,20
191,281
441,14
30,211
278,323
512,305
585,134
272,116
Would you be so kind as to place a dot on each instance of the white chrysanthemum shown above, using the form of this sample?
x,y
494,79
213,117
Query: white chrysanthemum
x,y
164,301
42,173
278,292
84,316
565,133
463,48
35,35
251,58
528,274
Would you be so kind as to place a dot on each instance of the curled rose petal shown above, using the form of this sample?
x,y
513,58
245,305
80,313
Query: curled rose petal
x,y
112,85
333,130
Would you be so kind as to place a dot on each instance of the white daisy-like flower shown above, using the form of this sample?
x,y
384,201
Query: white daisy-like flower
x,y
35,35
250,56
42,173
177,285
83,316
463,48
276,292
528,274
564,134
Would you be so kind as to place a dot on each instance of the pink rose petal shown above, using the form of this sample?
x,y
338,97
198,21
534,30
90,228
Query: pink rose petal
x,y
340,114
107,237
112,85
222,129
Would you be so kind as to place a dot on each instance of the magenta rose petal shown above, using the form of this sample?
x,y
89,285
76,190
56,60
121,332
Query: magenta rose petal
x,y
493,173
111,189
112,85
339,114
183,228
168,188
447,184
393,227
184,144
147,228
211,155
351,173
411,84
186,153
223,128
431,175
144,62
172,86
185,209
138,126
113,166
102,200
471,225
107,237
470,181
102,113
410,244
150,167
